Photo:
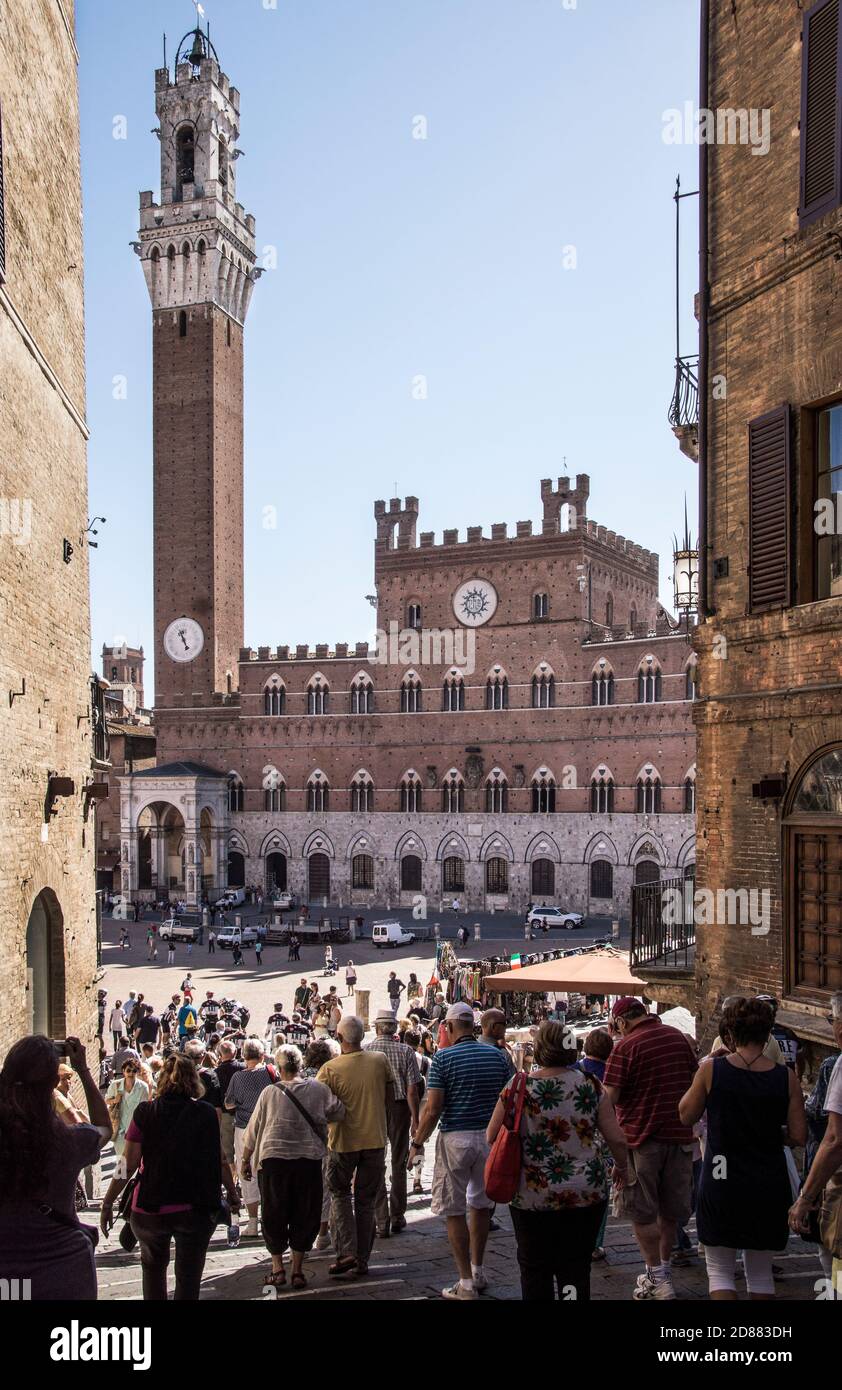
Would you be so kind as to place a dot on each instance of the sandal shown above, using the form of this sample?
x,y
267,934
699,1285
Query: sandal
x,y
344,1269
275,1279
298,1281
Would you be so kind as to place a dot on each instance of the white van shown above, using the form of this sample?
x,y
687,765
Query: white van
x,y
386,934
232,897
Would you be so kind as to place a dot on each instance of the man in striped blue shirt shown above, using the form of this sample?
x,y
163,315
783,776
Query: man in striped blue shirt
x,y
463,1085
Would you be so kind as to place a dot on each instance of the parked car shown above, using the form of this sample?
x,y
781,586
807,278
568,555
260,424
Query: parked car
x,y
226,936
173,930
546,917
386,934
284,902
232,897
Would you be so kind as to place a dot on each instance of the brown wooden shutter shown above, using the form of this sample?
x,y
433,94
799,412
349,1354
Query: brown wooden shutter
x,y
821,111
2,209
770,506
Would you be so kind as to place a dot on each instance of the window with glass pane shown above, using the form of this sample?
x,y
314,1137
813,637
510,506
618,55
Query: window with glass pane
x,y
829,493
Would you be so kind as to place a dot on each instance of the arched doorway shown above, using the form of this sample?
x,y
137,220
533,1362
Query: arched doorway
x,y
543,878
236,869
318,867
45,1000
813,878
411,874
646,871
276,872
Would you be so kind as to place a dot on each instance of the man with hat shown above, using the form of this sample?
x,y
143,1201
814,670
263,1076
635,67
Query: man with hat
x,y
647,1073
401,1120
463,1085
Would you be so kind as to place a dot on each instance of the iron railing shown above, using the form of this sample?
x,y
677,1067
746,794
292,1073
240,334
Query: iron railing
x,y
684,407
663,930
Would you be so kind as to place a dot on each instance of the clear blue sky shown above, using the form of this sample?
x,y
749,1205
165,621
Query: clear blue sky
x,y
398,257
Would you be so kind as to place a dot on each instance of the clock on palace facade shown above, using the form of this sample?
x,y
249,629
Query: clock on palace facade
x,y
183,639
475,602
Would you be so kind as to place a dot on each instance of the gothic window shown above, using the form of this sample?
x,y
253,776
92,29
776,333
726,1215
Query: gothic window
x,y
317,695
602,793
497,876
453,874
690,793
543,688
497,690
543,878
362,871
411,792
275,798
274,698
362,695
413,616
318,792
114,673
602,685
649,682
691,678
410,694
223,163
812,875
182,324
632,618
184,159
602,879
411,874
453,793
453,693
609,611
540,605
362,792
236,792
543,792
649,794
496,793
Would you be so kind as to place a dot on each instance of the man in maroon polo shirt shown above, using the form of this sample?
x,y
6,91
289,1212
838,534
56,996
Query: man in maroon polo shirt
x,y
647,1073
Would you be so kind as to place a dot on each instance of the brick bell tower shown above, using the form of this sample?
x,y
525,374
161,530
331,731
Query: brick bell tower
x,y
197,250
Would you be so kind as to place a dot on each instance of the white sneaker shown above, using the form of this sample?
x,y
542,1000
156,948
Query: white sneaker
x,y
456,1292
480,1283
649,1287
322,1242
251,1228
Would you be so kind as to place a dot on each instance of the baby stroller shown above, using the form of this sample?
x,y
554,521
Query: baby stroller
x,y
330,966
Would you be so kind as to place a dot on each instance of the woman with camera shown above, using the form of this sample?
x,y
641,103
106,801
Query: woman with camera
x,y
41,1157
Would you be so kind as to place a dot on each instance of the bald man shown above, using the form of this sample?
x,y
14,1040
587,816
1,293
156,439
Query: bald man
x,y
493,1025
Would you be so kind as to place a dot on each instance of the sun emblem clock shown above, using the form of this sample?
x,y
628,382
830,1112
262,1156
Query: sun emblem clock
x,y
183,640
475,602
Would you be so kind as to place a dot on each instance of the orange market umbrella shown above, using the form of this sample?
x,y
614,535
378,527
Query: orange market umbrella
x,y
597,972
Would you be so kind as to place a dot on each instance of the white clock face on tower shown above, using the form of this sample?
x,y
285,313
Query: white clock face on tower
x,y
475,602
183,640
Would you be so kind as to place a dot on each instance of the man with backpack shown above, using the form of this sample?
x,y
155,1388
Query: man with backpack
x,y
188,1022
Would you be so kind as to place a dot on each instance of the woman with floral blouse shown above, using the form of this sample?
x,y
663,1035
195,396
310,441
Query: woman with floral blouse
x,y
563,1193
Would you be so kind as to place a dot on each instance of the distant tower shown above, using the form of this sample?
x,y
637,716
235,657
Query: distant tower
x,y
123,668
197,249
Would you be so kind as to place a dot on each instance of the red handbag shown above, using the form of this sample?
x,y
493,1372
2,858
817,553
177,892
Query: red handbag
x,y
502,1167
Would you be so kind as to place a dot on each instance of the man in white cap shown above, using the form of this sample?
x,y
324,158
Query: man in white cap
x,y
401,1119
463,1085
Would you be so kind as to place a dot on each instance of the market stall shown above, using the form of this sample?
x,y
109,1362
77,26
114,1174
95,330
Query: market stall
x,y
593,972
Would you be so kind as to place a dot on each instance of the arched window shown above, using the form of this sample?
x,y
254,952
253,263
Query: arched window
x,y
362,871
276,872
411,792
602,879
201,247
274,697
413,616
236,792
602,792
646,871
45,972
632,618
275,798
543,878
496,793
649,682
543,688
182,324
362,792
649,794
543,791
318,692
602,684
184,159
362,694
410,694
453,874
223,163
540,606
690,793
453,793
497,690
318,793
497,875
228,333
410,874
453,692
691,678
609,611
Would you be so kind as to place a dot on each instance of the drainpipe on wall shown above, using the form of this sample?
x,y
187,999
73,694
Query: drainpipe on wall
x,y
704,310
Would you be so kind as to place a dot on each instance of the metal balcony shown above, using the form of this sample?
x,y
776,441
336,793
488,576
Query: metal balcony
x,y
684,407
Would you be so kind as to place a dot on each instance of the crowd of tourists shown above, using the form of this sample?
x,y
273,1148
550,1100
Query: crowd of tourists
x,y
308,1136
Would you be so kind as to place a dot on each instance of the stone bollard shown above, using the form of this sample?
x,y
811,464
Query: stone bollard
x,y
615,930
437,932
477,932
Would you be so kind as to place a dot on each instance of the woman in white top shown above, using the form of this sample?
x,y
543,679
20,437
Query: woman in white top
x,y
321,1022
123,1098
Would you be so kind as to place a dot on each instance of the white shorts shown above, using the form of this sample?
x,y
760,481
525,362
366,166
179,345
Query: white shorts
x,y
248,1186
459,1172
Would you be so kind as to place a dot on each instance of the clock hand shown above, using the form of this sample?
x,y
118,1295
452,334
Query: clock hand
x,y
181,635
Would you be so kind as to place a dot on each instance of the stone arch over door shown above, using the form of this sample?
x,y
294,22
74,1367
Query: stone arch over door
x,y
812,877
647,846
497,847
45,967
542,847
318,842
453,846
687,853
318,875
410,843
601,847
